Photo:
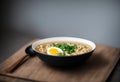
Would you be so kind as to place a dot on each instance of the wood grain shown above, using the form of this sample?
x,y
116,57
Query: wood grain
x,y
9,63
96,69
6,78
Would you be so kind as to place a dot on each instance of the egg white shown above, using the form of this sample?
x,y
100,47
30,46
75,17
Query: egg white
x,y
58,49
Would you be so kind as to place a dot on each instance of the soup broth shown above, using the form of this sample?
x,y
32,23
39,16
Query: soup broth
x,y
63,48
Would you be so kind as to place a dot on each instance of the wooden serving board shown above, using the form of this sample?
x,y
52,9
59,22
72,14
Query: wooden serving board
x,y
96,69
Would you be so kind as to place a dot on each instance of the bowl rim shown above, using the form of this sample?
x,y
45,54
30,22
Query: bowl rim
x,y
73,39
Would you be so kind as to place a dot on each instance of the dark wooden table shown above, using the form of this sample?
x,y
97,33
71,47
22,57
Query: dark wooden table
x,y
114,76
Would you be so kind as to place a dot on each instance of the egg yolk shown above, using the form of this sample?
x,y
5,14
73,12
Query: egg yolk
x,y
53,51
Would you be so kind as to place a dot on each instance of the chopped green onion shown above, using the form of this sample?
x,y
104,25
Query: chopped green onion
x,y
69,49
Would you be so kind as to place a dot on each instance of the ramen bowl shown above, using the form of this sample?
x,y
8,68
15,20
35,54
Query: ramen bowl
x,y
62,61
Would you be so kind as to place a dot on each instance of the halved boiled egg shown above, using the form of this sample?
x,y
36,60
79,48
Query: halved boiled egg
x,y
54,51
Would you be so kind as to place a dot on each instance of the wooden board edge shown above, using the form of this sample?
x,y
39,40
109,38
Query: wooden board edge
x,y
112,67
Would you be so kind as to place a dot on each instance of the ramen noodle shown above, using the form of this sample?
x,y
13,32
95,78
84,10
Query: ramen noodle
x,y
63,48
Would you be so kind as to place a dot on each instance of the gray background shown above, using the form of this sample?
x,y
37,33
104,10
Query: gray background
x,y
98,21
